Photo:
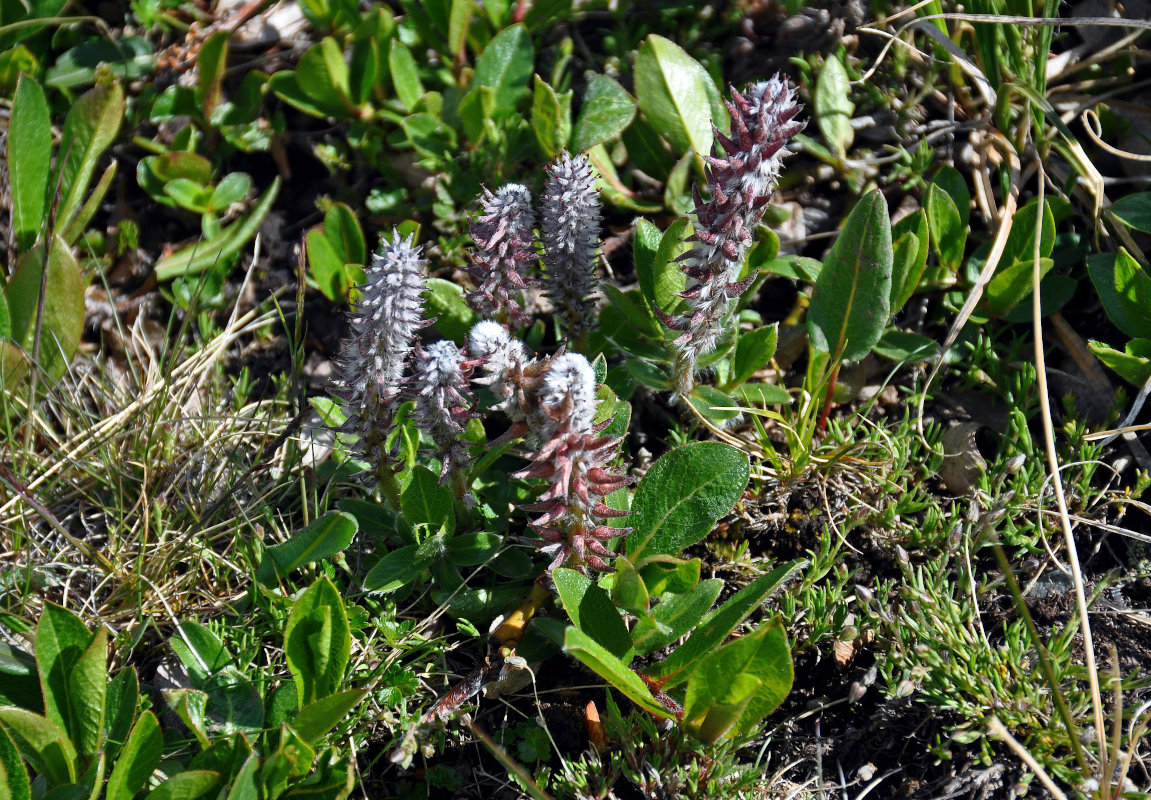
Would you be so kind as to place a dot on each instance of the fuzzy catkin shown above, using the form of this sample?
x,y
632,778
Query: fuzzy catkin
x,y
373,357
569,231
505,247
442,400
741,182
572,457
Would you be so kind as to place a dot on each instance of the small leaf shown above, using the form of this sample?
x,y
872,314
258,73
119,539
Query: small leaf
x,y
1011,284
755,349
87,693
329,271
671,91
713,404
405,75
89,129
952,183
678,614
203,256
911,244
607,110
342,229
1133,288
29,157
833,106
672,575
906,348
1021,239
669,278
286,86
324,537
628,591
232,188
850,306
551,118
718,624
200,650
212,64
762,394
682,496
738,685
472,549
43,743
505,67
317,641
318,718
63,322
594,656
1101,267
61,640
1133,364
138,759
12,771
189,785
395,570
424,501
948,233
593,613
1134,211
129,58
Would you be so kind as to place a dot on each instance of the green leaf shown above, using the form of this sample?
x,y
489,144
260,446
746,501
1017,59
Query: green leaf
x,y
87,693
1133,288
232,188
628,591
458,24
472,549
405,75
342,229
317,641
318,718
754,350
29,158
128,57
212,64
596,658
762,394
323,538
505,67
948,233
712,403
188,194
395,570
63,305
952,183
912,242
191,706
593,613
797,268
329,271
286,85
153,173
89,129
669,278
5,319
851,303
454,317
1021,239
1134,211
738,685
61,640
718,624
138,759
425,501
833,106
190,785
19,681
200,650
122,701
645,246
1133,364
551,118
903,347
1101,267
1011,284
672,575
202,256
246,784
671,91
649,375
607,110
43,743
677,615
682,496
12,771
